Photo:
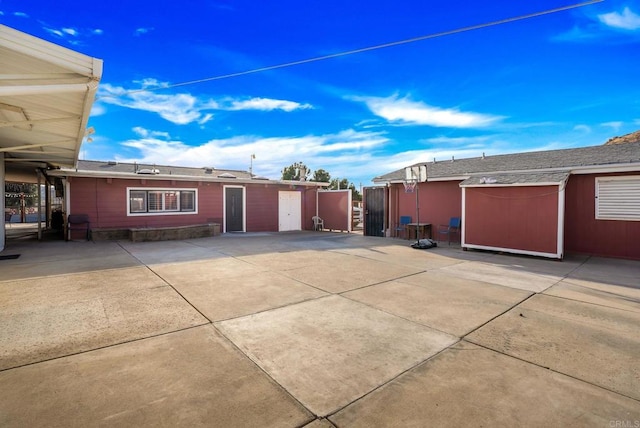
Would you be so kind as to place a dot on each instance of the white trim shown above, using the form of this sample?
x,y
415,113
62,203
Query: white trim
x,y
463,217
512,184
224,206
625,167
514,251
561,213
160,213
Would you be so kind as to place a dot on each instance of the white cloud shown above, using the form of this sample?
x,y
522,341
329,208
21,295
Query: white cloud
x,y
176,108
582,128
97,31
55,32
150,82
627,20
20,14
267,104
615,125
97,109
70,31
345,153
405,111
143,30
184,108
145,133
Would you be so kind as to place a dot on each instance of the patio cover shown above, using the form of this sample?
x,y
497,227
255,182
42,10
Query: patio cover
x,y
46,94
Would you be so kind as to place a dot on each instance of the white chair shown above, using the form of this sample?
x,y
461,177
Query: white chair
x,y
318,223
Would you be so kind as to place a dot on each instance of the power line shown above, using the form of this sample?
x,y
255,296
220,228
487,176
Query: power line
x,y
371,48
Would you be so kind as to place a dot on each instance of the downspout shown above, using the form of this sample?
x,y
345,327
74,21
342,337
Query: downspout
x,y
67,207
39,199
561,211
2,182
387,212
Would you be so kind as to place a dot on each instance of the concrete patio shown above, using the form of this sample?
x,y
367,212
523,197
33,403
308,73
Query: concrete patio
x,y
313,329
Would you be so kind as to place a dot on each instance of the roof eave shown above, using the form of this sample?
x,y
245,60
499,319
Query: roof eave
x,y
63,172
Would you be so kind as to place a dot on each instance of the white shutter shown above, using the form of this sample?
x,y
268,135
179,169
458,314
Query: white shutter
x,y
618,198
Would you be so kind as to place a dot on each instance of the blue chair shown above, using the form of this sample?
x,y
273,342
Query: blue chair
x,y
402,226
450,229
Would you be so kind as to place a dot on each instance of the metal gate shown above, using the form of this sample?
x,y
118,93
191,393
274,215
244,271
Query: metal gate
x,y
373,211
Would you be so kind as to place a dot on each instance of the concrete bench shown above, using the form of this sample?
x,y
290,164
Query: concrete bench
x,y
173,233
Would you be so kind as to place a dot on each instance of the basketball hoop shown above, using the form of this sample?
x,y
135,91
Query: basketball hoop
x,y
409,186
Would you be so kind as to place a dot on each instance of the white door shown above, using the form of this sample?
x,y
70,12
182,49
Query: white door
x,y
289,211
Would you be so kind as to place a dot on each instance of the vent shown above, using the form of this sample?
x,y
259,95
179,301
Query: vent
x,y
227,175
112,163
148,171
618,198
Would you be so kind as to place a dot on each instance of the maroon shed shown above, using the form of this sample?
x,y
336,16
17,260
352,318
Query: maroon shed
x,y
518,213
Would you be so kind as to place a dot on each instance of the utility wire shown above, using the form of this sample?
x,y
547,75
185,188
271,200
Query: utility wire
x,y
371,48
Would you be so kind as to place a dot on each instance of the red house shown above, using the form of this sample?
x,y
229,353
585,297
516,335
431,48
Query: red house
x,y
548,203
121,197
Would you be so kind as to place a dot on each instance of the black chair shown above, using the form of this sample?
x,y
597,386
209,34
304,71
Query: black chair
x,y
78,222
450,229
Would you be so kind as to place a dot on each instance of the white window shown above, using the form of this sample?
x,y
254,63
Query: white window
x,y
162,201
618,198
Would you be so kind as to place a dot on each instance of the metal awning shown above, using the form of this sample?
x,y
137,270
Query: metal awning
x,y
46,94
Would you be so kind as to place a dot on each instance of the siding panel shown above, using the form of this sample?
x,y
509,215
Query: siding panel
x,y
518,218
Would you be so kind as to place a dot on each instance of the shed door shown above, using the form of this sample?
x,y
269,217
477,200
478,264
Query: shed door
x,y
374,211
289,211
234,209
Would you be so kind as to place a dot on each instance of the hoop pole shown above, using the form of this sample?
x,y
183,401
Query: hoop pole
x,y
417,212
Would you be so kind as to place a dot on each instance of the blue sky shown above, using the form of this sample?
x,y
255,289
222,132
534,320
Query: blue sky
x,y
567,79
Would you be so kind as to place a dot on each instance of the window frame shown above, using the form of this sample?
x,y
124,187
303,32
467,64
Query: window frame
x,y
165,200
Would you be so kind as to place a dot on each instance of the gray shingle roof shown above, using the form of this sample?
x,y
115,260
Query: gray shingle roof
x,y
565,159
520,178
120,168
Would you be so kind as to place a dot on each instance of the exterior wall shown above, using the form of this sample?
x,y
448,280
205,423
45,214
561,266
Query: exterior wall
x,y
518,218
309,199
334,208
262,208
586,235
105,201
438,201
